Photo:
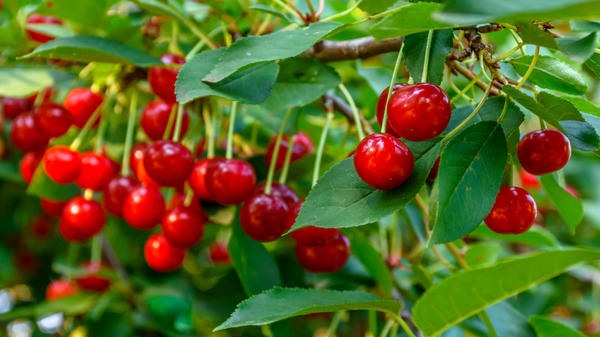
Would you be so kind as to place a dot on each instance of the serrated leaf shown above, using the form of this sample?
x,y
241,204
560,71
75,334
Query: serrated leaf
x,y
411,18
583,105
414,54
471,291
43,187
86,48
535,236
532,34
470,173
559,108
545,327
569,208
583,136
371,259
273,11
529,103
551,73
578,49
281,303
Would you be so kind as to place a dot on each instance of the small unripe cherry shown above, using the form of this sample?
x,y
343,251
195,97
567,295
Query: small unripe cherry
x,y
168,163
144,207
62,164
264,217
513,212
81,103
183,226
544,151
84,216
161,255
230,181
218,253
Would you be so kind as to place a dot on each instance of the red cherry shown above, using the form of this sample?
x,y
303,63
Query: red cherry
x,y
84,216
12,107
144,207
29,164
197,179
419,111
161,255
310,235
25,134
381,106
41,19
96,171
528,180
41,227
52,119
302,147
264,217
434,170
115,193
53,207
183,226
60,288
280,191
383,161
69,234
324,258
513,213
168,163
544,151
81,103
218,253
91,281
155,119
62,164
47,93
230,181
137,165
200,148
162,79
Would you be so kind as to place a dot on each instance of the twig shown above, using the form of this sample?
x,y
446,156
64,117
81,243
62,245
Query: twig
x,y
470,75
361,48
112,259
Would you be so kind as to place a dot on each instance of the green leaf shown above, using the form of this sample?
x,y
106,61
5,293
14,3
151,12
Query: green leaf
x,y
529,103
414,54
278,45
490,111
583,136
371,259
172,310
551,73
559,108
545,327
22,82
255,267
535,236
584,26
593,63
466,293
85,48
578,49
482,254
410,19
50,30
569,208
281,303
378,78
375,6
249,85
87,13
43,187
163,8
70,305
341,199
532,34
471,169
583,105
272,11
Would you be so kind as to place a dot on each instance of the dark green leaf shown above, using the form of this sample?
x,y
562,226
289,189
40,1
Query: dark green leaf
x,y
583,136
551,73
375,6
529,103
578,49
272,11
490,111
593,63
43,187
412,18
536,236
378,78
371,259
532,34
414,54
171,310
559,108
545,327
163,8
569,208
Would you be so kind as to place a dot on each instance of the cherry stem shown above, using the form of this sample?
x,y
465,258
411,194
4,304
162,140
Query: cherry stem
x,y
86,128
509,54
189,196
427,54
320,149
504,109
39,98
172,117
470,117
97,248
467,87
72,253
391,89
335,322
173,45
88,194
516,38
488,323
387,327
273,162
229,153
359,128
102,128
531,67
287,162
210,134
129,135
344,13
178,122
403,324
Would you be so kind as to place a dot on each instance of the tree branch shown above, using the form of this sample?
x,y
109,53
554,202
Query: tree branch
x,y
362,48
344,109
455,66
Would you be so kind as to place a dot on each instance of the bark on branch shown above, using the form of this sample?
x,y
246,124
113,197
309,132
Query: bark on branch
x,y
362,48
341,106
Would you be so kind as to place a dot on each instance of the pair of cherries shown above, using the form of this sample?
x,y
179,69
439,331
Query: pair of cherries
x,y
44,20
91,281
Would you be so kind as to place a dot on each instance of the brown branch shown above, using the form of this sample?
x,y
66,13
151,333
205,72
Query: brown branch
x,y
471,75
353,49
344,109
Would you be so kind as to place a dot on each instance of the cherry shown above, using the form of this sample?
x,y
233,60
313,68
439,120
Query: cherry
x,y
381,107
419,111
183,226
60,288
324,258
92,281
302,147
25,134
310,235
161,255
200,148
96,171
84,216
62,164
29,164
230,181
41,19
155,119
162,79
168,163
52,119
434,170
137,165
218,253
47,94
144,207
528,180
513,213
197,179
12,107
264,217
41,227
115,193
53,207
383,161
544,151
281,191
69,234
81,103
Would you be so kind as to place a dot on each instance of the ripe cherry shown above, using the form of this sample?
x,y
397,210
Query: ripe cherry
x,y
29,164
513,213
183,226
60,288
41,227
81,103
218,253
92,281
47,95
12,107
281,191
96,171
161,255
137,165
302,147
162,79
381,107
53,207
144,207
230,181
328,257
310,235
197,179
115,193
264,217
52,119
84,216
69,234
168,163
383,161
419,111
544,151
528,180
62,164
179,200
26,135
41,19
155,119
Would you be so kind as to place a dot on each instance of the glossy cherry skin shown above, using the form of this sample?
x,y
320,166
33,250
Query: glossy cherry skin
x,y
513,213
168,163
544,151
12,107
81,103
144,207
324,258
69,234
528,180
60,288
197,179
62,164
96,171
91,281
52,119
41,19
162,79
53,207
161,255
26,134
264,217
155,118
137,165
218,254
281,191
230,181
383,161
183,226
381,107
302,147
419,111
84,216
115,193
29,164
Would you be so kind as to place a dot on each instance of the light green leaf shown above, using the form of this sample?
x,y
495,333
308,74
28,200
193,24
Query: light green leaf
x,y
411,18
578,49
22,82
70,305
569,208
535,236
593,63
163,8
482,254
371,259
551,73
375,6
582,135
43,187
87,13
545,327
50,30
378,78
414,54
560,108
272,11
532,34
529,103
